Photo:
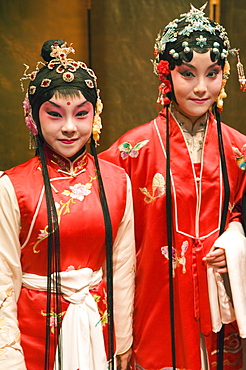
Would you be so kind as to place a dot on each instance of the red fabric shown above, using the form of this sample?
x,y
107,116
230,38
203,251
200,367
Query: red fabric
x,y
82,237
197,206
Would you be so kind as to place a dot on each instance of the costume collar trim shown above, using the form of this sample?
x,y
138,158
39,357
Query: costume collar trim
x,y
186,124
65,165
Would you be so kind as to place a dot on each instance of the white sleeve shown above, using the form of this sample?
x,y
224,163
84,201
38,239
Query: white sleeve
x,y
124,276
233,242
11,354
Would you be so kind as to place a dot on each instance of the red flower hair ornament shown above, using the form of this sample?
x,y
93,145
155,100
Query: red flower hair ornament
x,y
165,87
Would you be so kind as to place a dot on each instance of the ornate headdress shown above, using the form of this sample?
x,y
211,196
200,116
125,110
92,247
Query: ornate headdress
x,y
182,29
59,71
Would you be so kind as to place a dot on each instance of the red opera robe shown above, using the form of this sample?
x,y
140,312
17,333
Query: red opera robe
x,y
82,245
197,193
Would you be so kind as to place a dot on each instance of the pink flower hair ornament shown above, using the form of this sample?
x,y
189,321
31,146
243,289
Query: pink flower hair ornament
x,y
28,116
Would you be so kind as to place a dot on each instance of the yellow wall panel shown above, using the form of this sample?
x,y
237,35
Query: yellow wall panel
x,y
24,26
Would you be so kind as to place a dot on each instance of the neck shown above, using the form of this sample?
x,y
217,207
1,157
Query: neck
x,y
191,123
81,151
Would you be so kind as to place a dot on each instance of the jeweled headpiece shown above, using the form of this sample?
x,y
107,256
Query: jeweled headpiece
x,y
59,72
191,32
193,21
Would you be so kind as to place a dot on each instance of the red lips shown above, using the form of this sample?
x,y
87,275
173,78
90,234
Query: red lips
x,y
66,141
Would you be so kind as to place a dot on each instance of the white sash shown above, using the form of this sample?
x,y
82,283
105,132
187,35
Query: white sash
x,y
82,344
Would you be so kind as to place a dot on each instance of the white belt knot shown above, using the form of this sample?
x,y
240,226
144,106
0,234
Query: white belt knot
x,y
81,333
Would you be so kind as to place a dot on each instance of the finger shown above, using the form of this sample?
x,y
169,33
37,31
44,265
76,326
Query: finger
x,y
217,259
217,264
222,270
217,253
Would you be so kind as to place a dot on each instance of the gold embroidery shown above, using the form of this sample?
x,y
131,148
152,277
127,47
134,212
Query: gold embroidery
x,y
158,188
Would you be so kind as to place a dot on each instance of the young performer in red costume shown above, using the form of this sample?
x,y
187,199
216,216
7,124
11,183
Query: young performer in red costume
x,y
63,214
185,182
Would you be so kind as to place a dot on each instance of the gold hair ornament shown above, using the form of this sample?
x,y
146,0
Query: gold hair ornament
x,y
65,66
222,95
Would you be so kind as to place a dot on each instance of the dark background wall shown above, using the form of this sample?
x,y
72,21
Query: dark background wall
x,y
122,39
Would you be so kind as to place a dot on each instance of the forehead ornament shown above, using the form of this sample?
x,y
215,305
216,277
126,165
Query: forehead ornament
x,y
201,41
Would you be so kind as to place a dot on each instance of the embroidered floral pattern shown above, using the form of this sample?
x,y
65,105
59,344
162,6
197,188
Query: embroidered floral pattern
x,y
76,192
8,339
231,206
12,343
8,294
103,315
175,258
80,164
61,163
54,319
127,149
240,156
79,191
3,326
64,166
158,188
232,344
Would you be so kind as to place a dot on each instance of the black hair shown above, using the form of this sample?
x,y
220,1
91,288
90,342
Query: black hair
x,y
186,56
210,39
57,83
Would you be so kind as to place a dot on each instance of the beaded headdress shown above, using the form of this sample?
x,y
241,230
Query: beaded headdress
x,y
65,68
193,22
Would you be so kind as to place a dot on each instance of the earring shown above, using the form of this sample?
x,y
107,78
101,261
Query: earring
x,y
32,141
222,95
97,122
241,75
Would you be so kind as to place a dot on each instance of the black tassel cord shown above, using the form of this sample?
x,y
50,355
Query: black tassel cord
x,y
109,258
107,221
53,264
220,360
169,239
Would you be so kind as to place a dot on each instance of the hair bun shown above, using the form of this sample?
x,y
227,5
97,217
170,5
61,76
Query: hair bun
x,y
46,48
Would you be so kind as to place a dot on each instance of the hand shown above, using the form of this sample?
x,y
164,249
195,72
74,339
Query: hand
x,y
123,360
217,259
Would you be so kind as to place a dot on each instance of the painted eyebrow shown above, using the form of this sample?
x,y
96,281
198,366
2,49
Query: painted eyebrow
x,y
58,106
191,66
